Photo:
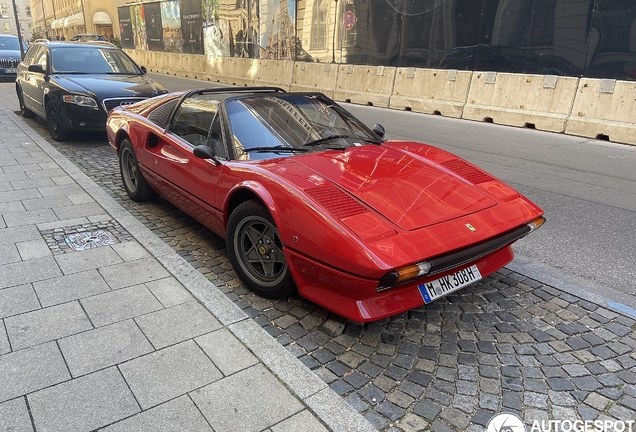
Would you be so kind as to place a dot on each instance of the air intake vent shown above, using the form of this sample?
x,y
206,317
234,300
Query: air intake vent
x,y
466,171
336,202
161,114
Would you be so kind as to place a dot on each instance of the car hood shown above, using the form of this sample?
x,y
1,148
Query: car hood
x,y
10,54
409,190
107,86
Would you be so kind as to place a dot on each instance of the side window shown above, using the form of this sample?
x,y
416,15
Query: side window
x,y
30,54
193,120
216,138
40,58
248,132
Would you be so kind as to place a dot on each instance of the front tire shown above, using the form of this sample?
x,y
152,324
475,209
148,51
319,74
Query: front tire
x,y
24,111
256,251
134,181
54,123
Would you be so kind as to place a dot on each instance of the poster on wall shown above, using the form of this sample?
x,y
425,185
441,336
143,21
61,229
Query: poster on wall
x,y
139,27
277,35
154,29
171,26
125,29
192,26
217,31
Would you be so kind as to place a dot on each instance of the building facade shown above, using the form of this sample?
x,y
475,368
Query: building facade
x,y
7,18
62,19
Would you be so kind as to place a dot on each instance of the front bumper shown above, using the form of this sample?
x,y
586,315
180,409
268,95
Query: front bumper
x,y
357,299
78,118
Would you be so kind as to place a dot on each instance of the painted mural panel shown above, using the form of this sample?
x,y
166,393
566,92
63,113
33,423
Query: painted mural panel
x,y
171,26
138,22
595,38
154,28
125,27
192,26
278,38
217,30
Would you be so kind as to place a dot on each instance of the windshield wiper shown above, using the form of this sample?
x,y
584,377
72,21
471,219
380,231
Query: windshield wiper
x,y
275,149
325,139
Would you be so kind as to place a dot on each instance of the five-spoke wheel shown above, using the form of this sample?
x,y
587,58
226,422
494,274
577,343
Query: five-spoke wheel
x,y
256,251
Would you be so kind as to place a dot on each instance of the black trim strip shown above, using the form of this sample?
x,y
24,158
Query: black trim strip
x,y
463,256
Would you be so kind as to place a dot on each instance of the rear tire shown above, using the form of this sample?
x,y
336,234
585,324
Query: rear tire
x,y
54,123
134,181
24,111
256,251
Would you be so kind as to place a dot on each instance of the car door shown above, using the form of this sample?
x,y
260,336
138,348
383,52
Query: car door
x,y
191,181
33,83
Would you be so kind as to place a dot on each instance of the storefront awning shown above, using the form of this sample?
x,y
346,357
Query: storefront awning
x,y
102,18
57,24
74,20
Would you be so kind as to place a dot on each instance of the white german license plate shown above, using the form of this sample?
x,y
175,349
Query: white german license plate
x,y
10,70
447,284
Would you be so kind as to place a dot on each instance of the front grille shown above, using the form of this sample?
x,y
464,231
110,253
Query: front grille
x,y
9,63
111,103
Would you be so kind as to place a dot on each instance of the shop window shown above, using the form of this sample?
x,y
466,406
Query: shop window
x,y
319,25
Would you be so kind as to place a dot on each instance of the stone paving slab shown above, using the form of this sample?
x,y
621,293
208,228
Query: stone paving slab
x,y
83,404
229,408
119,305
14,416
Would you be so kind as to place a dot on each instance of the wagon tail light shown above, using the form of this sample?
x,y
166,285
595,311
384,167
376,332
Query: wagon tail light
x,y
456,259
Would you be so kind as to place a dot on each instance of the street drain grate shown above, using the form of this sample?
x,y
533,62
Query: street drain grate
x,y
90,240
83,237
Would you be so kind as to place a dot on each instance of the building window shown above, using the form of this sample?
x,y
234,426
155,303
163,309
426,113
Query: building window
x,y
319,25
4,11
27,11
7,27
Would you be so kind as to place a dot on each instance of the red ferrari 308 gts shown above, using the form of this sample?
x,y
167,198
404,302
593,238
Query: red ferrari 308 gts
x,y
309,198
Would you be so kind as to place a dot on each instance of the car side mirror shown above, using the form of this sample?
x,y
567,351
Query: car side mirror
x,y
379,130
143,70
205,152
37,68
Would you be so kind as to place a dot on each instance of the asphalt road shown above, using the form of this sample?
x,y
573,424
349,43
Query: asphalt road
x,y
586,187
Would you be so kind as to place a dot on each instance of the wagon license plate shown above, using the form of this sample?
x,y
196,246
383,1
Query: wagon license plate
x,y
10,70
447,284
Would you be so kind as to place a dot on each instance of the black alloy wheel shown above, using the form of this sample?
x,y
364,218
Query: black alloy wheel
x,y
256,251
134,182
54,123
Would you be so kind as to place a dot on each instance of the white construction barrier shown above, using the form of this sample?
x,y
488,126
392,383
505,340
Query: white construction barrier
x,y
365,85
240,71
537,101
605,109
274,73
431,91
314,77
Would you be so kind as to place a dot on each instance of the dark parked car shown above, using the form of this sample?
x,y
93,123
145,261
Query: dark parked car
x,y
9,55
73,85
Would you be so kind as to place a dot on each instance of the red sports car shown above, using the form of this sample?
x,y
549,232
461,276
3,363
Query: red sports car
x,y
309,198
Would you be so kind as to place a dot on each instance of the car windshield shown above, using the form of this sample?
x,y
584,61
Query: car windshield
x,y
309,122
92,60
9,44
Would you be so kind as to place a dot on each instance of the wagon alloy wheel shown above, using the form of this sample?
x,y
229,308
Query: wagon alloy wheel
x,y
134,182
256,251
54,123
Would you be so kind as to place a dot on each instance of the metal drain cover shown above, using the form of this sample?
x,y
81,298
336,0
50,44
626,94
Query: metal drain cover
x,y
90,240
